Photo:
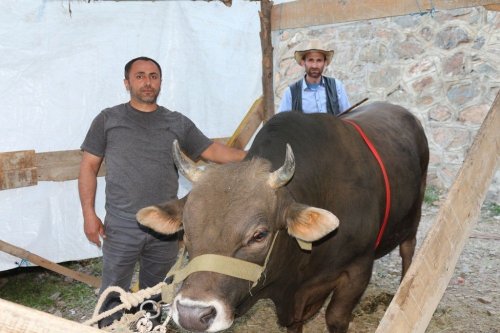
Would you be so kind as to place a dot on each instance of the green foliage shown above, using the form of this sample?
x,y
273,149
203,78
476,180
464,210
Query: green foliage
x,y
44,290
493,208
432,195
27,289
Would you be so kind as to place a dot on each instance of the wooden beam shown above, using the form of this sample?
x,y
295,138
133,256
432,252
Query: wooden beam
x,y
495,7
61,165
267,58
306,13
15,318
425,282
23,254
248,125
17,169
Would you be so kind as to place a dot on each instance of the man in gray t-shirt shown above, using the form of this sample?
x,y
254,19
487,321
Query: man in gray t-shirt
x,y
135,139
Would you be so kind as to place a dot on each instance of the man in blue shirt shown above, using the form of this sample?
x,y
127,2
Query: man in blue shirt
x,y
315,92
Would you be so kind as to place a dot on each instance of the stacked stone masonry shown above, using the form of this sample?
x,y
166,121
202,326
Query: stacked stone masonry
x,y
441,65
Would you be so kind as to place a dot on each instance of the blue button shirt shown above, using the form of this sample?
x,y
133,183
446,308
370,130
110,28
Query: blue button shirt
x,y
314,98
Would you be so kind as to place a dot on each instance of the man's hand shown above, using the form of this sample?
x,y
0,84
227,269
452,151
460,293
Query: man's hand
x,y
94,228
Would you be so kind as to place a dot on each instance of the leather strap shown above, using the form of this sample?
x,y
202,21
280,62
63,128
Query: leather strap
x,y
375,153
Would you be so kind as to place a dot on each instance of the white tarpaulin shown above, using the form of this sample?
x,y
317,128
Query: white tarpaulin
x,y
61,63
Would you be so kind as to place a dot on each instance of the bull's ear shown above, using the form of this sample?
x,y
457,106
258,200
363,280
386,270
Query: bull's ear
x,y
309,223
164,219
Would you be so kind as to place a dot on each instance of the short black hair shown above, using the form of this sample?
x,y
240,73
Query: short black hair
x,y
131,62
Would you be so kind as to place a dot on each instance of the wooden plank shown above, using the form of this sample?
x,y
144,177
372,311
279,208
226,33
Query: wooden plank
x,y
23,254
15,318
421,290
58,165
305,13
248,125
61,165
495,7
17,169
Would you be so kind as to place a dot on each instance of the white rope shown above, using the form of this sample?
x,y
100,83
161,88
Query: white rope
x,y
128,300
134,299
126,323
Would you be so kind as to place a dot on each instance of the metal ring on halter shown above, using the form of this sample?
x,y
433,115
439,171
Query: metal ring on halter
x,y
168,279
166,307
156,307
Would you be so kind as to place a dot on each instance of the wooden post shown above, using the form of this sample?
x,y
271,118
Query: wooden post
x,y
23,254
423,286
267,58
15,318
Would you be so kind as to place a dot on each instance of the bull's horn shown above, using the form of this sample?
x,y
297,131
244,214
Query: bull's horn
x,y
281,176
187,168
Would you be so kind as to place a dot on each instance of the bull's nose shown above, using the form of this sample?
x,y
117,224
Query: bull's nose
x,y
196,318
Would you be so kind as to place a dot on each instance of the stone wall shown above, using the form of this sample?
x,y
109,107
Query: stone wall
x,y
441,65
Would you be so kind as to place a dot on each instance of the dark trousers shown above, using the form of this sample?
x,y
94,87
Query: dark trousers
x,y
127,243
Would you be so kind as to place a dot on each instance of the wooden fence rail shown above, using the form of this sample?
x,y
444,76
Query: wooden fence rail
x,y
37,260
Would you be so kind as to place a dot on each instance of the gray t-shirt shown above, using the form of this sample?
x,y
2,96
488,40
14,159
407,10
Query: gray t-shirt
x,y
137,148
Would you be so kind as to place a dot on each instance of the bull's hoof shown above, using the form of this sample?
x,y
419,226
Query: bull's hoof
x,y
196,318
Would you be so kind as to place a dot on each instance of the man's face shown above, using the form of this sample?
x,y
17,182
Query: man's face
x,y
144,82
314,63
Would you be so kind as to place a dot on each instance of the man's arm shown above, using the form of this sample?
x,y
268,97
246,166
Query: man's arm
x,y
87,186
344,103
220,153
286,101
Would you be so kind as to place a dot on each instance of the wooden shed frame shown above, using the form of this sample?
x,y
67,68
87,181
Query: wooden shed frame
x,y
417,298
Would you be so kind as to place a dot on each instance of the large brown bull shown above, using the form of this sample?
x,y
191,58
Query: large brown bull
x,y
237,210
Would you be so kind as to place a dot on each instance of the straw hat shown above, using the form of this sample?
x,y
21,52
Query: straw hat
x,y
313,46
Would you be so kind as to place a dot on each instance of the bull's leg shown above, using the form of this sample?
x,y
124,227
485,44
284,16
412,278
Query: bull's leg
x,y
308,301
295,328
349,288
406,251
407,247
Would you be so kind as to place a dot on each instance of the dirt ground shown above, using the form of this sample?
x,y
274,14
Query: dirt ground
x,y
470,304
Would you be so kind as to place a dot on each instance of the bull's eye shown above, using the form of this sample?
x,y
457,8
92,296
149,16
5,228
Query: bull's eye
x,y
259,236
